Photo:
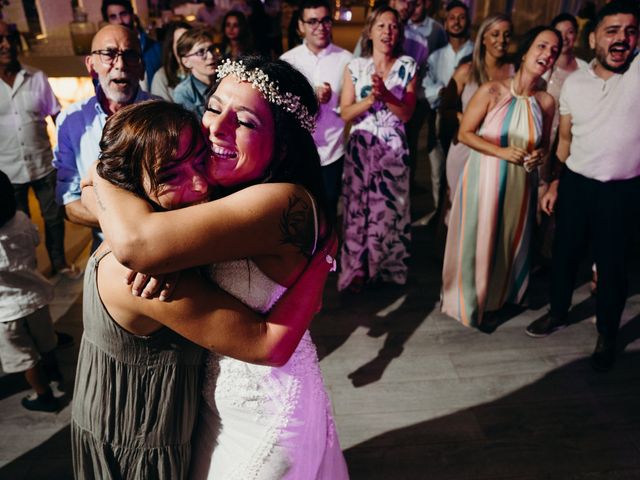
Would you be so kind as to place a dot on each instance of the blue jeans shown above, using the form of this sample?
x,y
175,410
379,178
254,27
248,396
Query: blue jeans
x,y
52,213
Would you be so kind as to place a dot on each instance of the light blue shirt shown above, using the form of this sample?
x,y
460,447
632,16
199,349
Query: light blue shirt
x,y
79,130
191,93
440,67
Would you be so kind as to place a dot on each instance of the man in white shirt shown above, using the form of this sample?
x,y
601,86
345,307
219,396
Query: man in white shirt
x,y
427,27
26,99
440,67
598,193
323,63
443,61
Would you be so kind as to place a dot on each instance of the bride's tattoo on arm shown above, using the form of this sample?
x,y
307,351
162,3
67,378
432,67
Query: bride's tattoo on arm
x,y
296,225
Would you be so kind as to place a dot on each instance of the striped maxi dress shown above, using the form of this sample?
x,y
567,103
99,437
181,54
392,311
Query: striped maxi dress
x,y
486,261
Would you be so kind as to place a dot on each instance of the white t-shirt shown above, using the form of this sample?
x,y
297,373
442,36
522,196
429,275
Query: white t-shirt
x,y
23,290
605,123
328,66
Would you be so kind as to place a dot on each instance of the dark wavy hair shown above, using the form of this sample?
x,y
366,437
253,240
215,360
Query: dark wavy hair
x,y
141,138
295,156
8,204
126,4
244,37
365,41
564,17
170,63
628,7
528,40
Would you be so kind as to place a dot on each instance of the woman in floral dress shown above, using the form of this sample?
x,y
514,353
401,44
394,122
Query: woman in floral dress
x,y
378,96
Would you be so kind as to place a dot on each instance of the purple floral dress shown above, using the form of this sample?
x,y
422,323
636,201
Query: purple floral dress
x,y
375,192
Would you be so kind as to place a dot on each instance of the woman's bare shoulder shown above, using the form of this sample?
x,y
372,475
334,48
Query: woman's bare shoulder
x,y
546,101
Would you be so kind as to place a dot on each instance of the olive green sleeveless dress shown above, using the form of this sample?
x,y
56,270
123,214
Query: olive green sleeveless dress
x,y
135,397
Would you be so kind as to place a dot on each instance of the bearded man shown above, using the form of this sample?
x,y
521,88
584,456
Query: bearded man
x,y
598,193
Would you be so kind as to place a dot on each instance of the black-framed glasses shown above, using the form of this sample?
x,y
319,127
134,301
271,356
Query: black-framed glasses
x,y
202,52
316,22
109,56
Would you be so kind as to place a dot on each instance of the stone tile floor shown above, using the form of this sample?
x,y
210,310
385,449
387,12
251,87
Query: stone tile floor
x,y
418,396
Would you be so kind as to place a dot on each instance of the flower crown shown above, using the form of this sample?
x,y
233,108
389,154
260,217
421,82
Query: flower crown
x,y
260,80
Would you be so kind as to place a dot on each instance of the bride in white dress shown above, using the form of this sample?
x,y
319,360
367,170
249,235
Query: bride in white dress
x,y
257,422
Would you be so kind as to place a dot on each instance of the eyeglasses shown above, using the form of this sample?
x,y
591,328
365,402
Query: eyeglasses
x,y
314,23
202,52
109,56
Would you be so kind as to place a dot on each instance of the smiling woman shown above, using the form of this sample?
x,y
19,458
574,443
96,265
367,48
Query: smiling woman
x,y
256,240
233,104
507,126
378,96
199,56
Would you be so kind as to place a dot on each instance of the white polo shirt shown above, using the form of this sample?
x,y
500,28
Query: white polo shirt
x,y
605,123
441,65
25,151
328,66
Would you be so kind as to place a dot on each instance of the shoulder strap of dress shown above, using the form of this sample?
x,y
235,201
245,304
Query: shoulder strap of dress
x,y
101,255
315,222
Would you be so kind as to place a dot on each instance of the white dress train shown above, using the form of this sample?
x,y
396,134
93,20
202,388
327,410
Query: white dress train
x,y
259,422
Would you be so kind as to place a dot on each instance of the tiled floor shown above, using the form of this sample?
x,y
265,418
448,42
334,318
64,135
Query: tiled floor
x,y
418,396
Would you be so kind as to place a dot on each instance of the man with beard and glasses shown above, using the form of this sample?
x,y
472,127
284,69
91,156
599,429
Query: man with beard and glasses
x,y
323,64
440,67
116,65
598,193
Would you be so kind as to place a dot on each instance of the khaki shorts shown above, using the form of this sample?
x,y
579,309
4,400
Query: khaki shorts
x,y
23,340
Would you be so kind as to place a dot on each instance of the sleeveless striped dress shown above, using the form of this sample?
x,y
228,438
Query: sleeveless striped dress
x,y
486,260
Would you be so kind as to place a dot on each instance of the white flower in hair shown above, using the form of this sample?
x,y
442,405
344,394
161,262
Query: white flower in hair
x,y
260,80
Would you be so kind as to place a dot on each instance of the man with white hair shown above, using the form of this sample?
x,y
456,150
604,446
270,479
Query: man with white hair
x,y
116,64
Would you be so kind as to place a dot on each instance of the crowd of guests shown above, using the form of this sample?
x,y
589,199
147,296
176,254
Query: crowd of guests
x,y
210,154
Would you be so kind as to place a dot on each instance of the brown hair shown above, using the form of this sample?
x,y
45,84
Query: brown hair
x,y
365,42
139,139
170,63
192,37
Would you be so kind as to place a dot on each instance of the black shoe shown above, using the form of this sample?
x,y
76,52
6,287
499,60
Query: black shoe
x,y
545,326
604,356
64,340
41,403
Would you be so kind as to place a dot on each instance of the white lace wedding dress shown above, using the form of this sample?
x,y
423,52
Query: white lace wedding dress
x,y
259,422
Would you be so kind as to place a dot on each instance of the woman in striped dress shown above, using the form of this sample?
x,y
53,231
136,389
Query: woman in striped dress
x,y
507,126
